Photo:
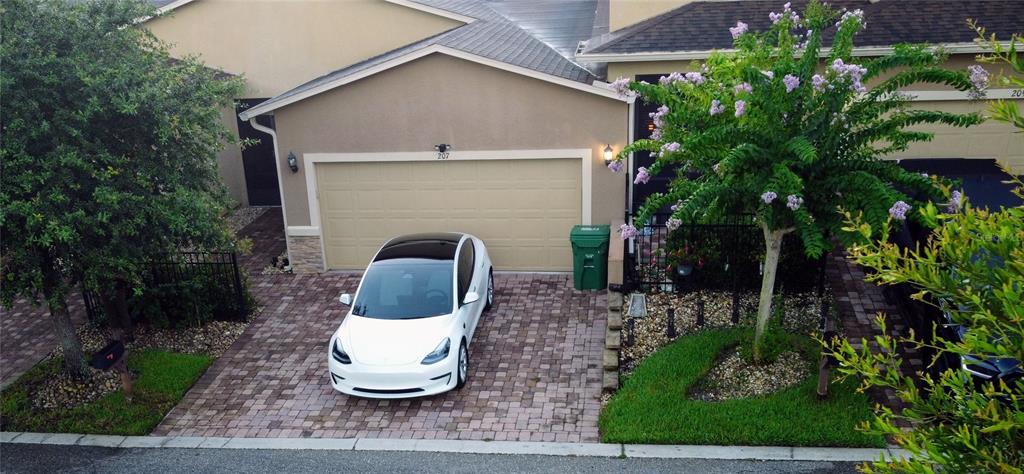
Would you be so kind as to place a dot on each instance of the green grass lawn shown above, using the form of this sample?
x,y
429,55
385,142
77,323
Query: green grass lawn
x,y
653,407
163,378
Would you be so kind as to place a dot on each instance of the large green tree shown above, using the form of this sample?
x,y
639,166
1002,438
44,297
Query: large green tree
x,y
768,133
108,155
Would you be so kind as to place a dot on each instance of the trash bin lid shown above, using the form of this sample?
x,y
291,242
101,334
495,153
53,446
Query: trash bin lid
x,y
589,232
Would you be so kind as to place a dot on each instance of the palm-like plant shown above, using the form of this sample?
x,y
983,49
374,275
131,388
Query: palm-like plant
x,y
769,134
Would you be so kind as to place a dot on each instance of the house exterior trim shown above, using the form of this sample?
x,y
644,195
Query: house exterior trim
x,y
951,48
432,10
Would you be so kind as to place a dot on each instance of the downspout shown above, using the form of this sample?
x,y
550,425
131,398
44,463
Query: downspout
x,y
280,184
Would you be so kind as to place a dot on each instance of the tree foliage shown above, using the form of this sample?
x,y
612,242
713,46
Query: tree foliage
x,y
1004,110
766,133
109,149
972,268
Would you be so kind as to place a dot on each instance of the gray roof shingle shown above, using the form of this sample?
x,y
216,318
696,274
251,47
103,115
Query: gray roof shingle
x,y
704,25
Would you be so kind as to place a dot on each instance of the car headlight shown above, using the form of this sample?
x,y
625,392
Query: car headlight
x,y
439,353
339,353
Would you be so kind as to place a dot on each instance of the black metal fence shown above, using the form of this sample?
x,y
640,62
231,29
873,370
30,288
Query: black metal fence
x,y
725,256
188,288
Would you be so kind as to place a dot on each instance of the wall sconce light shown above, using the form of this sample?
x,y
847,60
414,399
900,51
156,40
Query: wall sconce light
x,y
609,154
443,150
293,163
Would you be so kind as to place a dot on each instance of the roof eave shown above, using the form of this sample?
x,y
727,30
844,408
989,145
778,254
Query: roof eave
x,y
951,48
433,10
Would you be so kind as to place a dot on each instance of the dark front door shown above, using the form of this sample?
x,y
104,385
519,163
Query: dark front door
x,y
258,159
643,126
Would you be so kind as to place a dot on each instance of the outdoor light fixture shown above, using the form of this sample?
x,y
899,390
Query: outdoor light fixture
x,y
609,154
442,151
293,162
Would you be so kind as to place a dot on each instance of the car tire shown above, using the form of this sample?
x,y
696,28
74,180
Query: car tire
x,y
462,366
489,296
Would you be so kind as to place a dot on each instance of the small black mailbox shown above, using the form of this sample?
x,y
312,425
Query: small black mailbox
x,y
108,356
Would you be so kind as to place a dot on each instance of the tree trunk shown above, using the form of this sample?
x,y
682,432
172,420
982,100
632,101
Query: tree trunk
x,y
773,247
74,358
115,304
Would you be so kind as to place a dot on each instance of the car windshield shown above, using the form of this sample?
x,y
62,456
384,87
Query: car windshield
x,y
406,288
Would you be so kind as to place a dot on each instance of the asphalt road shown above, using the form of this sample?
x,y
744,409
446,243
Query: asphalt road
x,y
25,458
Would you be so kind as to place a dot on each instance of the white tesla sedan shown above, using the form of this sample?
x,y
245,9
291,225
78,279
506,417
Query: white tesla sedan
x,y
408,331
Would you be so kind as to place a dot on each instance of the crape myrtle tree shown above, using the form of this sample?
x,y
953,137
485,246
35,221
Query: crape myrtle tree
x,y
768,133
108,155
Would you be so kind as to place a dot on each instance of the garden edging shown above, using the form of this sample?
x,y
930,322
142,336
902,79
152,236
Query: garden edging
x,y
776,453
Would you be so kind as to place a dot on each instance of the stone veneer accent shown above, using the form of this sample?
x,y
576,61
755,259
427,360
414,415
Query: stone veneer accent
x,y
304,254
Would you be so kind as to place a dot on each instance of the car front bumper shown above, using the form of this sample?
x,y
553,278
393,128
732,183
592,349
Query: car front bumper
x,y
404,381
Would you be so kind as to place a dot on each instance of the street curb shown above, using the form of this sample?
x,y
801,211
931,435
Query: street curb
x,y
605,450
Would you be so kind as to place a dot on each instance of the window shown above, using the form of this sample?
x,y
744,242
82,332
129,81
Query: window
x,y
405,288
466,260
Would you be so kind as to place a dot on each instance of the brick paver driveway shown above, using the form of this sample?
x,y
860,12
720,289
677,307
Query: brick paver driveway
x,y
535,371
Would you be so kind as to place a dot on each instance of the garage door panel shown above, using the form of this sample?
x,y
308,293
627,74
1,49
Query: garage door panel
x,y
523,209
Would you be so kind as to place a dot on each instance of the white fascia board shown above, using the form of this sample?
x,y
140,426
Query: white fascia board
x,y
951,48
414,55
433,10
164,9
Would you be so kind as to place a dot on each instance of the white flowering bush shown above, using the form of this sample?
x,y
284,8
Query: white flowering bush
x,y
768,133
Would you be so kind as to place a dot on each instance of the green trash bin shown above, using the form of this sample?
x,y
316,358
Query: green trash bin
x,y
589,256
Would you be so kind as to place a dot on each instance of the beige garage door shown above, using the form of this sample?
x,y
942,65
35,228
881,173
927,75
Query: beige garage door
x,y
522,209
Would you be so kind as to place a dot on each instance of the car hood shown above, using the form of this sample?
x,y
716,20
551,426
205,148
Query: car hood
x,y
393,342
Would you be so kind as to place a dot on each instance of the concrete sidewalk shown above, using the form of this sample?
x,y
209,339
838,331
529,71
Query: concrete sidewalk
x,y
764,453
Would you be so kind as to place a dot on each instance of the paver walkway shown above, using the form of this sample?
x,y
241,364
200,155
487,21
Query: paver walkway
x,y
535,367
27,336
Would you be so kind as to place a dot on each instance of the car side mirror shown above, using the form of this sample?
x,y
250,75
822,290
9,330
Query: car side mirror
x,y
471,297
345,299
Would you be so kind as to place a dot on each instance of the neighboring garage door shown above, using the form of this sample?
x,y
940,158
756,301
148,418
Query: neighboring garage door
x,y
522,209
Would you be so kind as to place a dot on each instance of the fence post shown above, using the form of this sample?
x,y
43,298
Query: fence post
x,y
671,333
243,311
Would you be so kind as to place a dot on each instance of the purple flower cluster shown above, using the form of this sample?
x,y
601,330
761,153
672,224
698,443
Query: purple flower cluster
x,y
616,166
675,207
899,210
955,201
793,202
671,78
768,74
716,168
787,12
621,86
642,177
791,82
658,115
672,223
769,196
695,77
738,30
627,231
741,108
979,77
857,14
669,148
854,71
716,107
743,87
818,82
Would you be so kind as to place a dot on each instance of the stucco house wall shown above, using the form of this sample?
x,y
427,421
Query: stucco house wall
x,y
441,99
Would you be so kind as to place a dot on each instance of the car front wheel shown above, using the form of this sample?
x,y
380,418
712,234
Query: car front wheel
x,y
462,371
490,291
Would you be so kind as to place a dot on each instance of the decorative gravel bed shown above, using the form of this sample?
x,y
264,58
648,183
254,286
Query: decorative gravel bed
x,y
211,339
801,316
732,377
243,216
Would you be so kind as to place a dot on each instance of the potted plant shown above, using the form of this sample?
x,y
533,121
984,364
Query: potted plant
x,y
684,260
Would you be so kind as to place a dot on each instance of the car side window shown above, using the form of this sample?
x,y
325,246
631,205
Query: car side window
x,y
466,260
